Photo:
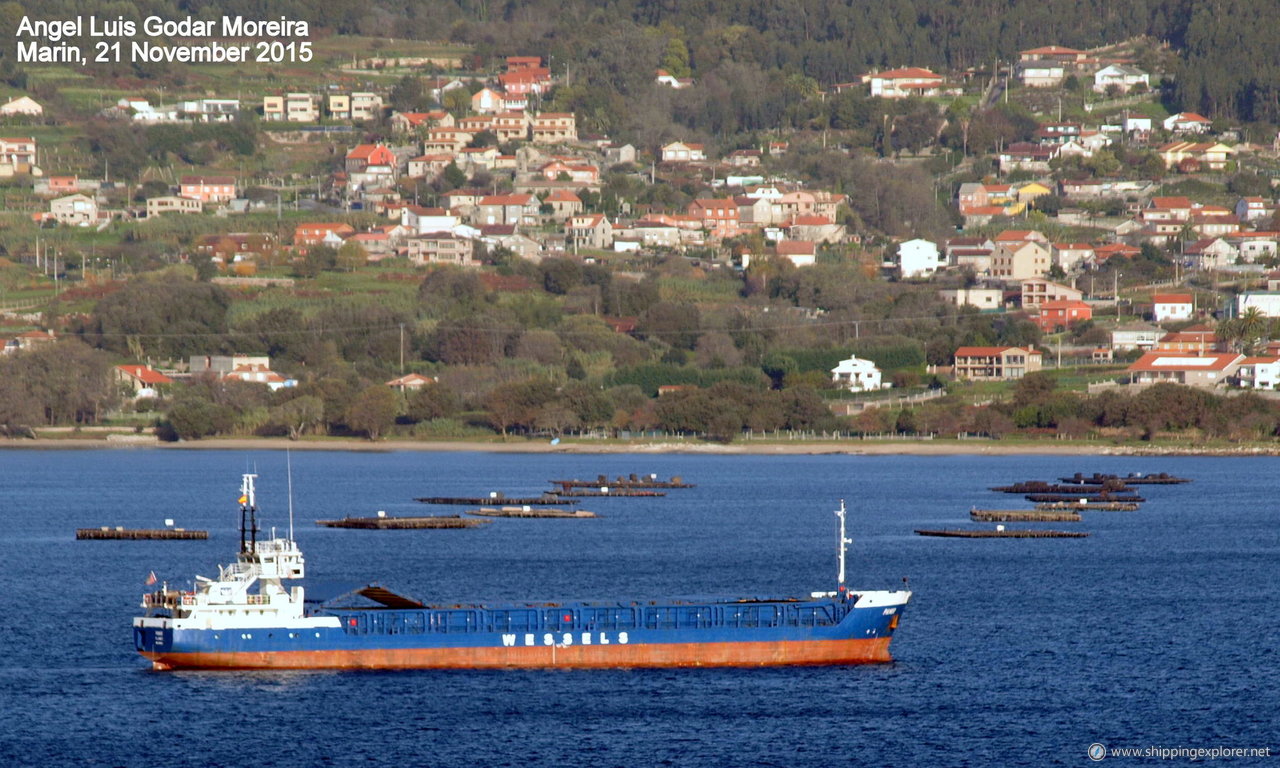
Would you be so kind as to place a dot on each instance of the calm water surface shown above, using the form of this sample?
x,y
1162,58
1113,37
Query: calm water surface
x,y
1159,630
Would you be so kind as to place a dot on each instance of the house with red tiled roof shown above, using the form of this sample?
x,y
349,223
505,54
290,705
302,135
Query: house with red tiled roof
x,y
1189,157
1068,256
564,203
32,339
363,156
1060,314
1016,260
718,215
411,382
579,173
683,152
406,122
554,128
664,77
1054,52
996,363
486,100
901,83
429,166
518,208
801,253
511,126
1190,369
207,189
257,373
314,233
813,227
1187,122
526,82
588,230
519,63
744,158
1258,372
1172,306
1104,252
1200,339
140,380
440,248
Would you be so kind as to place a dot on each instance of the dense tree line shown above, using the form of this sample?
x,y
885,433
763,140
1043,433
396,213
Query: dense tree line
x,y
757,61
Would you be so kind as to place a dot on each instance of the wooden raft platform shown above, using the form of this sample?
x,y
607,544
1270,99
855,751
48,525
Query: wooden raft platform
x,y
402,523
1023,516
633,481
138,534
582,493
1099,506
1068,497
479,501
989,534
1036,486
1162,478
530,512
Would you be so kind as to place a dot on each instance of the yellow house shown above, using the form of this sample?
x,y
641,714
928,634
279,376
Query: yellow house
x,y
1032,190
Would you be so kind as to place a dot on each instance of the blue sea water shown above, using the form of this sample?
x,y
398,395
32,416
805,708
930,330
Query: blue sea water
x,y
1160,629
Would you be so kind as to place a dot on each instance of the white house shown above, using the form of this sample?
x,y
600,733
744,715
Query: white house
x,y
1187,122
23,105
1041,73
857,375
1136,336
1266,302
918,258
1122,76
1259,372
1172,306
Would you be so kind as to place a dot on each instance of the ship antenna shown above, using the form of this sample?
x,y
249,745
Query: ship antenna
x,y
288,461
841,547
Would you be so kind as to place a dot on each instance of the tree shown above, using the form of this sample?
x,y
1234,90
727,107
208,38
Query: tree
x,y
317,259
408,95
373,411
193,418
453,176
518,403
299,414
351,256
166,316
433,401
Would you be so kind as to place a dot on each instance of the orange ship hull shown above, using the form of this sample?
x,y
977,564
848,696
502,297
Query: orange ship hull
x,y
724,654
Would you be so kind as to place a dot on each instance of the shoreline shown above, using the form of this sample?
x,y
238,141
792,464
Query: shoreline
x,y
810,448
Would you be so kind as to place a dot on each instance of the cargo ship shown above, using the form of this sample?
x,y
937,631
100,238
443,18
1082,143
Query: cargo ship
x,y
247,618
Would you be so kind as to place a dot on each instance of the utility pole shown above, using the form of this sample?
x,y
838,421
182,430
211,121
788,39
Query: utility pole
x,y
402,349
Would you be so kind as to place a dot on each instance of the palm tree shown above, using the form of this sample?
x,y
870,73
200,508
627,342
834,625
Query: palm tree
x,y
1253,328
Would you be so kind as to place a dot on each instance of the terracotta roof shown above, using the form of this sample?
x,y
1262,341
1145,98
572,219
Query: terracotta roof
x,y
1171,298
185,180
908,73
1050,50
1175,361
795,248
990,351
144,374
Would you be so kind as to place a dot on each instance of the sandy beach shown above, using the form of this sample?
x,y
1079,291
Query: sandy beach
x,y
756,448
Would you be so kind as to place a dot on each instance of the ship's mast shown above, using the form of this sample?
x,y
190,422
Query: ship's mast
x,y
248,514
841,546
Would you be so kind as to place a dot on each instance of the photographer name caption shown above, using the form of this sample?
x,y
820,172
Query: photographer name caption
x,y
85,40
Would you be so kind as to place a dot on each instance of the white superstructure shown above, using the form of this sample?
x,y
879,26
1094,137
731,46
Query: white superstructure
x,y
230,601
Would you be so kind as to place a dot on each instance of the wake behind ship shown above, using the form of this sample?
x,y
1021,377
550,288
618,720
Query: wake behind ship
x,y
247,619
